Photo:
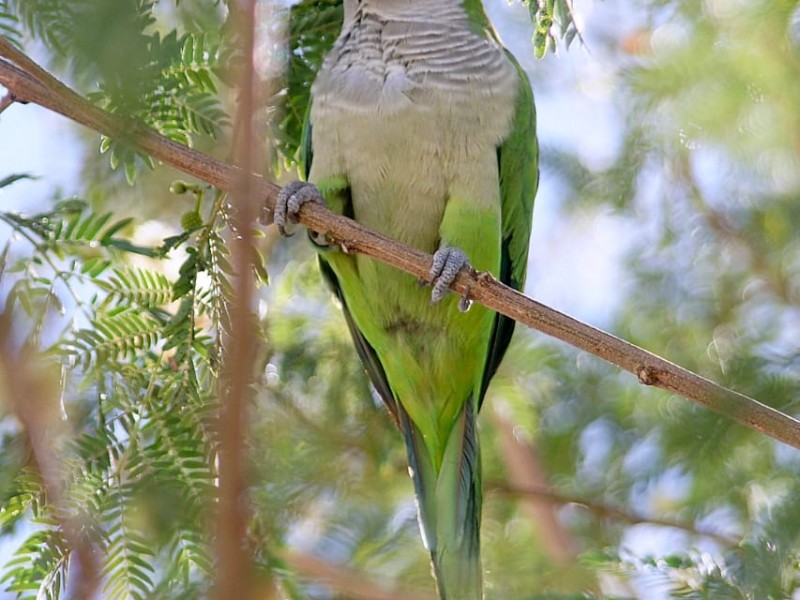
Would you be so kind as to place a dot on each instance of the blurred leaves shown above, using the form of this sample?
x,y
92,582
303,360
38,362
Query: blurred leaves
x,y
706,179
552,20
143,433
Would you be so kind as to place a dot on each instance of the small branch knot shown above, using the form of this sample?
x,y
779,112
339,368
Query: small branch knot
x,y
647,375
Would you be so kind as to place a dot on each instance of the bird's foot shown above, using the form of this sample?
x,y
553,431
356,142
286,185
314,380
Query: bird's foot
x,y
287,206
447,263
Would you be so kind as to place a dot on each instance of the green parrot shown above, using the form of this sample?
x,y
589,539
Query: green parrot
x,y
422,127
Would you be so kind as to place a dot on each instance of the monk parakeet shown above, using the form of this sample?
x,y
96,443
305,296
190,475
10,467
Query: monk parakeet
x,y
422,127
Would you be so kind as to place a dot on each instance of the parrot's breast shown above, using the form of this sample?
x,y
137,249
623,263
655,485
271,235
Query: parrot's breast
x,y
409,106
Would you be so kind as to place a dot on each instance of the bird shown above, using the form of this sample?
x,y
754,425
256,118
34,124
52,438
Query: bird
x,y
422,126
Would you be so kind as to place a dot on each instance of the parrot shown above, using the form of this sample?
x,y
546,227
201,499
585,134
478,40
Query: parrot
x,y
422,126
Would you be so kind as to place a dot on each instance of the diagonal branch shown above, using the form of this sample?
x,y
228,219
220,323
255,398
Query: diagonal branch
x,y
603,511
525,471
36,86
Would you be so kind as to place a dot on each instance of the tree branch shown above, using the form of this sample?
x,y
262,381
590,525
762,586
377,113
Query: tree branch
x,y
6,101
34,85
545,494
524,471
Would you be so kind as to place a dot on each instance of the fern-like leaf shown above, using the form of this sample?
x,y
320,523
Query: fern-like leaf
x,y
47,20
313,28
39,567
9,26
136,287
113,337
127,573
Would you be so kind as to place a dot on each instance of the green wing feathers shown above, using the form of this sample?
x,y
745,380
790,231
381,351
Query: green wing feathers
x,y
518,164
518,160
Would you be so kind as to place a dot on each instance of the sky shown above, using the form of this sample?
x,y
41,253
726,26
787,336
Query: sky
x,y
576,258
36,141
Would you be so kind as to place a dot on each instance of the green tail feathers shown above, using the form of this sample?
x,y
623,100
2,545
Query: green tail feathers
x,y
448,493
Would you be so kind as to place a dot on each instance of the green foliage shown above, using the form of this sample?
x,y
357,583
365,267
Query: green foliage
x,y
174,93
9,23
141,466
39,567
127,570
43,18
167,81
552,19
144,288
313,28
764,567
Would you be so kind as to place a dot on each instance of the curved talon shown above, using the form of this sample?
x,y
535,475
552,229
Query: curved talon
x,y
447,262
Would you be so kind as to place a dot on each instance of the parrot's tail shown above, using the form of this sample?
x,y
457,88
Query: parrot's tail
x,y
449,504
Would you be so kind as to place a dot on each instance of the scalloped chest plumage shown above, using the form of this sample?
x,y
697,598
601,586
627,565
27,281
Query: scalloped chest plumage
x,y
411,99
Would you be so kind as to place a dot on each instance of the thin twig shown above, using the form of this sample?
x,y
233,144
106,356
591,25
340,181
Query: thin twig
x,y
482,287
610,512
524,471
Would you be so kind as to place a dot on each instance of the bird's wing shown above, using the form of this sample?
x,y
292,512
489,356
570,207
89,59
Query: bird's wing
x,y
518,163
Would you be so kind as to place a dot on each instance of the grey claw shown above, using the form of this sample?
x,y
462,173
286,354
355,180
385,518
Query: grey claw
x,y
290,199
447,262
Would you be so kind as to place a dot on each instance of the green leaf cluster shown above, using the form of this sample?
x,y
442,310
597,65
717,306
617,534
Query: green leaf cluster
x,y
552,19
139,388
314,26
117,51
